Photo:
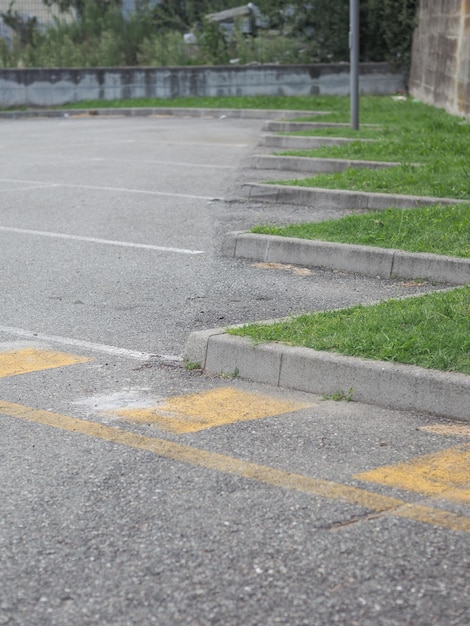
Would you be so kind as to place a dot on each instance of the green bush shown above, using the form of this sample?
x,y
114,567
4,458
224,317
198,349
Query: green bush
x,y
310,32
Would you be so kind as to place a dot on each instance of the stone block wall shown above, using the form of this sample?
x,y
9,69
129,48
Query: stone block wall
x,y
440,70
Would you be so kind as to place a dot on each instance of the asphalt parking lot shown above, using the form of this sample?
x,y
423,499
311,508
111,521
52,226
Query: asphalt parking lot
x,y
135,491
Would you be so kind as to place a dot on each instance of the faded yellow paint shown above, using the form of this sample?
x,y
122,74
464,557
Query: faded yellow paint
x,y
452,430
218,407
301,271
26,360
261,473
445,474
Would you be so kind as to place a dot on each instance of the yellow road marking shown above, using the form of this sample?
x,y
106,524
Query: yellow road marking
x,y
454,430
26,360
445,474
195,412
245,469
301,271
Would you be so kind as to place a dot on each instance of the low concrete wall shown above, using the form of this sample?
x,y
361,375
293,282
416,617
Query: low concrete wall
x,y
54,87
440,70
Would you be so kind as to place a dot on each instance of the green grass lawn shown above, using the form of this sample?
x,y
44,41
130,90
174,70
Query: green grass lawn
x,y
441,179
436,229
431,331
412,133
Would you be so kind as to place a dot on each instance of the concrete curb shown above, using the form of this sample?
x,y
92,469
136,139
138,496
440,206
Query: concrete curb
x,y
313,165
339,198
391,385
293,127
367,260
291,142
263,114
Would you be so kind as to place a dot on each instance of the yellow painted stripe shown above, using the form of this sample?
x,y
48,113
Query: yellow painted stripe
x,y
457,495
453,430
15,362
218,407
245,469
437,474
436,517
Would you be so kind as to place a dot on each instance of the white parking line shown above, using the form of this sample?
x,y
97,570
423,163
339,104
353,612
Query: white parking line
x,y
29,188
52,159
48,185
37,183
109,242
87,345
198,143
163,162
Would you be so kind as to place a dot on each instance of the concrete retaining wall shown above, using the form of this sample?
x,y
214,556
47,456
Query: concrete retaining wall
x,y
54,87
440,71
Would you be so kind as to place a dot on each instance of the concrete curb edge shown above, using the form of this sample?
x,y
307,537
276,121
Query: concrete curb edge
x,y
390,385
366,260
339,198
314,165
262,114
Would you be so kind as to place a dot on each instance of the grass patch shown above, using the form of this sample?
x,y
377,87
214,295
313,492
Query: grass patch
x,y
431,331
436,229
441,179
412,133
365,132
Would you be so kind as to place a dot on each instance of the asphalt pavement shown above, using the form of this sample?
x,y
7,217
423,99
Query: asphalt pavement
x,y
137,491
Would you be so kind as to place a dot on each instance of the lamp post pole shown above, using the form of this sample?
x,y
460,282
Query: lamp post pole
x,y
354,61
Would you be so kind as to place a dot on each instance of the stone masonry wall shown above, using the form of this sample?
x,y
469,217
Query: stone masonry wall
x,y
440,70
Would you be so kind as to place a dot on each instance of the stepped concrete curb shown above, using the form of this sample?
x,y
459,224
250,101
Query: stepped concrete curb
x,y
313,165
391,385
339,198
291,142
263,114
367,260
280,126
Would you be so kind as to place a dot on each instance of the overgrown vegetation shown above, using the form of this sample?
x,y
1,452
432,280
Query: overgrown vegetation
x,y
431,331
435,229
101,35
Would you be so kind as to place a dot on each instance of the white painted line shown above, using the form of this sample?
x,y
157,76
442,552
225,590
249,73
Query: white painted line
x,y
142,191
109,242
29,188
52,159
120,189
194,143
37,183
163,162
88,345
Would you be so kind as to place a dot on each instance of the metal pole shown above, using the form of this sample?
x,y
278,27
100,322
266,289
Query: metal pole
x,y
354,61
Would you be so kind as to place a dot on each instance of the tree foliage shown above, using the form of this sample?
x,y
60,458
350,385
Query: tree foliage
x,y
25,27
102,6
315,30
386,25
